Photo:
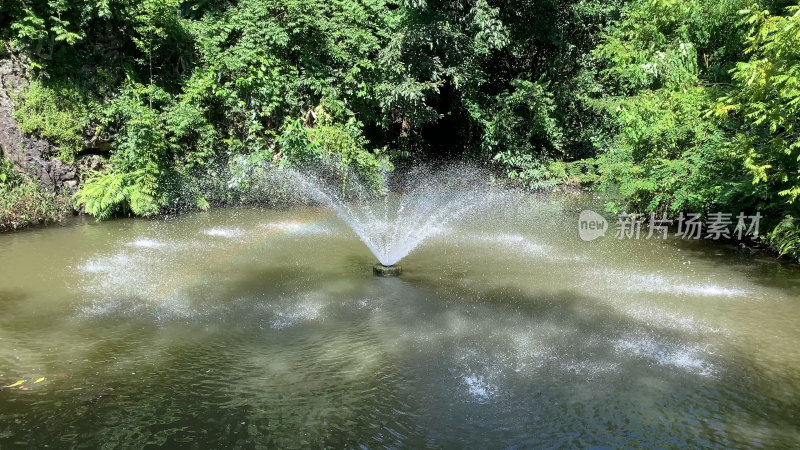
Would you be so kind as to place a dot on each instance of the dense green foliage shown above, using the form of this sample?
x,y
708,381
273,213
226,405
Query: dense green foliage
x,y
701,101
56,113
661,69
664,105
766,102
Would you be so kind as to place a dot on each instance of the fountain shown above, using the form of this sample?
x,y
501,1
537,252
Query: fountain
x,y
387,271
415,206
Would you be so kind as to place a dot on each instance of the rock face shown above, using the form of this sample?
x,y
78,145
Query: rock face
x,y
29,153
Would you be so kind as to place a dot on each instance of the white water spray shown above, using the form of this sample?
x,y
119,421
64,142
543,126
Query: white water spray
x,y
396,225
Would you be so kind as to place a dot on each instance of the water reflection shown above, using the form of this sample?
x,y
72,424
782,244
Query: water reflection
x,y
266,328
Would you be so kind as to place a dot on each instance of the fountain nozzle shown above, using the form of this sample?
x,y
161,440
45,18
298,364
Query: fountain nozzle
x,y
386,271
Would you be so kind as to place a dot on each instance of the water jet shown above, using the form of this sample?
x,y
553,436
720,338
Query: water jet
x,y
415,207
386,271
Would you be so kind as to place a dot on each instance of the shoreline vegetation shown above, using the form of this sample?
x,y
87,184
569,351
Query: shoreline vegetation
x,y
157,106
24,204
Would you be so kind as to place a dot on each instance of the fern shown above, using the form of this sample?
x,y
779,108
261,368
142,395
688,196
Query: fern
x,y
785,238
105,195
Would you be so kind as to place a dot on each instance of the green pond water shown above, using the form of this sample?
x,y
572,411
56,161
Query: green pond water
x,y
249,328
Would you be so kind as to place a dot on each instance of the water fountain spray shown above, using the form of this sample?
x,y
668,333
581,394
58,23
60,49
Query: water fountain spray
x,y
419,206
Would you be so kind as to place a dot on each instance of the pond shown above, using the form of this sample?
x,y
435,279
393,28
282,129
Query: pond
x,y
254,328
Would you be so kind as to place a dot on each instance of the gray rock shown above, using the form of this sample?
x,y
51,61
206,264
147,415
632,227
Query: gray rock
x,y
28,153
88,163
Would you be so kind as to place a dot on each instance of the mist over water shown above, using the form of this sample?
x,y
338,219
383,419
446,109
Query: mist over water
x,y
418,205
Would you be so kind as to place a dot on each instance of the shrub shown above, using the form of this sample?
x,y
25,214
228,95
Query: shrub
x,y
22,203
58,114
342,144
785,238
